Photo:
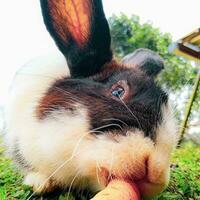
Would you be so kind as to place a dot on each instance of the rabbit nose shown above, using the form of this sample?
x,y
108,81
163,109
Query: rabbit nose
x,y
139,171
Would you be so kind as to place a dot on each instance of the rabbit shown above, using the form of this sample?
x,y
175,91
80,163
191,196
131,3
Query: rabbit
x,y
83,118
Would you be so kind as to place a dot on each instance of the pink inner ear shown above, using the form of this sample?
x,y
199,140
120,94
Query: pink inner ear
x,y
71,18
78,14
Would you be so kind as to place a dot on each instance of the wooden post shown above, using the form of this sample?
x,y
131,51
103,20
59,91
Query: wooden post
x,y
189,107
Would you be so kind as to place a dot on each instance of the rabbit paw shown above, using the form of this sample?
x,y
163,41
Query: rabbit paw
x,y
39,182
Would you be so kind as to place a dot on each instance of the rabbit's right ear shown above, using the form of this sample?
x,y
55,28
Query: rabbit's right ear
x,y
81,32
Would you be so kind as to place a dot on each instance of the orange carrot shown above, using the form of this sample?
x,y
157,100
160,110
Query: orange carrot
x,y
118,190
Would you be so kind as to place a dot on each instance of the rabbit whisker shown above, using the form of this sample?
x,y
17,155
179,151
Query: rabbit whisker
x,y
97,171
61,166
111,164
71,184
114,119
74,153
68,94
130,112
37,75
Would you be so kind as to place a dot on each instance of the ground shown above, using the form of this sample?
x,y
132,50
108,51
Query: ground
x,y
184,184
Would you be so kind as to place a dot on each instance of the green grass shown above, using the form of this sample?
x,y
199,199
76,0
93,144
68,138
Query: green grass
x,y
184,184
185,177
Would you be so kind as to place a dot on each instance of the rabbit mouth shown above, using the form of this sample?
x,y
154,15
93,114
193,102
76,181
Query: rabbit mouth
x,y
149,189
144,186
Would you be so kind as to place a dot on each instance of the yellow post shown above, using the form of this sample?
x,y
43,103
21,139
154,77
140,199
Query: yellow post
x,y
189,107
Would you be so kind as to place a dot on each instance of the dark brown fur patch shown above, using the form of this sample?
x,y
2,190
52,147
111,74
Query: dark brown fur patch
x,y
55,99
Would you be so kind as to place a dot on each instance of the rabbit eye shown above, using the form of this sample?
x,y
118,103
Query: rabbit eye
x,y
118,92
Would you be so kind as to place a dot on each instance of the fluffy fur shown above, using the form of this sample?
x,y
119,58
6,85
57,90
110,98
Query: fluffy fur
x,y
84,123
65,140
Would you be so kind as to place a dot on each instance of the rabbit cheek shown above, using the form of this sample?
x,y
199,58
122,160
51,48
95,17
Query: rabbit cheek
x,y
166,141
159,160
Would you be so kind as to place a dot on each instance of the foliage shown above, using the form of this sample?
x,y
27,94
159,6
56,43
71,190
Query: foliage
x,y
10,181
129,34
185,175
185,179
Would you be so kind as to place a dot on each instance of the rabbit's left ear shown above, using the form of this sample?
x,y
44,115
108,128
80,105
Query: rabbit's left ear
x,y
81,32
146,60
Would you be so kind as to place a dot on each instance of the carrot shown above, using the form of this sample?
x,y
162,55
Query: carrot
x,y
118,190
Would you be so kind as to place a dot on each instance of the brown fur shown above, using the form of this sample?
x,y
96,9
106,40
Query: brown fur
x,y
55,98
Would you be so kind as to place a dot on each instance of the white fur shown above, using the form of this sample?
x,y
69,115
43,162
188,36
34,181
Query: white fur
x,y
39,182
62,144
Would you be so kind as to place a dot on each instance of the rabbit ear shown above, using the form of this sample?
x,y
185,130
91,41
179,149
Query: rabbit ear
x,y
146,60
81,32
